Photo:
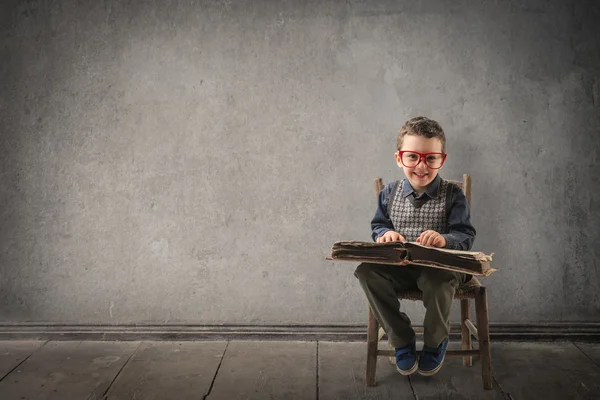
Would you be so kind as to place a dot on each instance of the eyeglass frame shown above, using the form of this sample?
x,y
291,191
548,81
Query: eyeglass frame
x,y
422,157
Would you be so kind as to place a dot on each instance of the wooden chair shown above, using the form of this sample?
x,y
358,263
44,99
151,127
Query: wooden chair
x,y
471,290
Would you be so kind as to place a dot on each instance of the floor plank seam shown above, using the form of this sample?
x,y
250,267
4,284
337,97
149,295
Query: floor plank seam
x,y
590,358
104,395
317,370
506,395
412,388
25,359
216,373
57,366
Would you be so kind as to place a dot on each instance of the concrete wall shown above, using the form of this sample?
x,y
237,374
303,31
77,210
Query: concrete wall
x,y
169,161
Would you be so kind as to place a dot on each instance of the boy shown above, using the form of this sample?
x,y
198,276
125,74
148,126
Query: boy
x,y
426,209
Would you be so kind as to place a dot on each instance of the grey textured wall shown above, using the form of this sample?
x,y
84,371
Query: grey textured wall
x,y
175,161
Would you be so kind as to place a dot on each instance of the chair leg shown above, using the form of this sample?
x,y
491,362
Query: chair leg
x,y
483,331
464,331
371,348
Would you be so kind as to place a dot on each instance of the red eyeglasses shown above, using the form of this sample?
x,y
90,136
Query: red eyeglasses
x,y
411,159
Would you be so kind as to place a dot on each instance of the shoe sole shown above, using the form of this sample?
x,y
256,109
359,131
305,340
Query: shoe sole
x,y
433,371
410,371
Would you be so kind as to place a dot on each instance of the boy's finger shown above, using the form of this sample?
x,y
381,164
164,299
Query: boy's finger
x,y
430,238
434,239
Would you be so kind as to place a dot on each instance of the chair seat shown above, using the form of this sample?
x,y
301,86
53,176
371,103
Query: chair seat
x,y
466,291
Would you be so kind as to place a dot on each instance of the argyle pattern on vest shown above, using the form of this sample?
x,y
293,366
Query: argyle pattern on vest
x,y
411,221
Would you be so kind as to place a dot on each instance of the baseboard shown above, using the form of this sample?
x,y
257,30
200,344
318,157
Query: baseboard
x,y
584,331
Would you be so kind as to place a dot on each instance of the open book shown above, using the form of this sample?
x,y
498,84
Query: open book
x,y
470,262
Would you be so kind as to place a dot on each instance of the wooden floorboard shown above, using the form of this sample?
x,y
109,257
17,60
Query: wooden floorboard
x,y
267,370
284,370
454,381
12,353
342,369
550,370
164,370
592,350
67,370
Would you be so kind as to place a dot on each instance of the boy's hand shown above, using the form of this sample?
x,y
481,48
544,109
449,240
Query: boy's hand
x,y
431,238
391,236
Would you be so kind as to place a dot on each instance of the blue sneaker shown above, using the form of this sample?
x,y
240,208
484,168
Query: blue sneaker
x,y
432,358
406,358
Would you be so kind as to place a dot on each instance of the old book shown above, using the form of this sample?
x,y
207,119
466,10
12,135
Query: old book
x,y
470,262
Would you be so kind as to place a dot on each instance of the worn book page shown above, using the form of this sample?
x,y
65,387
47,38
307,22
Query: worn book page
x,y
478,255
396,253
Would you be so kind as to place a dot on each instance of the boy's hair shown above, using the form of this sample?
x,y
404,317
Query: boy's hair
x,y
421,126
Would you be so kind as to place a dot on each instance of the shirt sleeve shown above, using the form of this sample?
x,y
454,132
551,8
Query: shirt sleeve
x,y
381,222
461,233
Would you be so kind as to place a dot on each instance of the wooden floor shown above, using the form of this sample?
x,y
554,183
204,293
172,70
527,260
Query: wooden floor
x,y
282,370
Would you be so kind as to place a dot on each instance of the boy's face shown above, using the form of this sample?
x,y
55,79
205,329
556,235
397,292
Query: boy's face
x,y
420,176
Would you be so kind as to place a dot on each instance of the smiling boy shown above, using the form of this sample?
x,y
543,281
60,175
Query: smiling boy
x,y
426,209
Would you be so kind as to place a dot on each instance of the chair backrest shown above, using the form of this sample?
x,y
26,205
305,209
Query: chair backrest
x,y
465,185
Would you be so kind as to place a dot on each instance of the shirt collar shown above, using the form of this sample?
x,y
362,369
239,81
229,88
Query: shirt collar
x,y
431,191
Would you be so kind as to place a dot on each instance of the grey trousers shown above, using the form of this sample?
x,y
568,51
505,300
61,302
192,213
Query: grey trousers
x,y
381,283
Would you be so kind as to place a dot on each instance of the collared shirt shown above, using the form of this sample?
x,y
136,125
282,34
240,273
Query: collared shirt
x,y
461,233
